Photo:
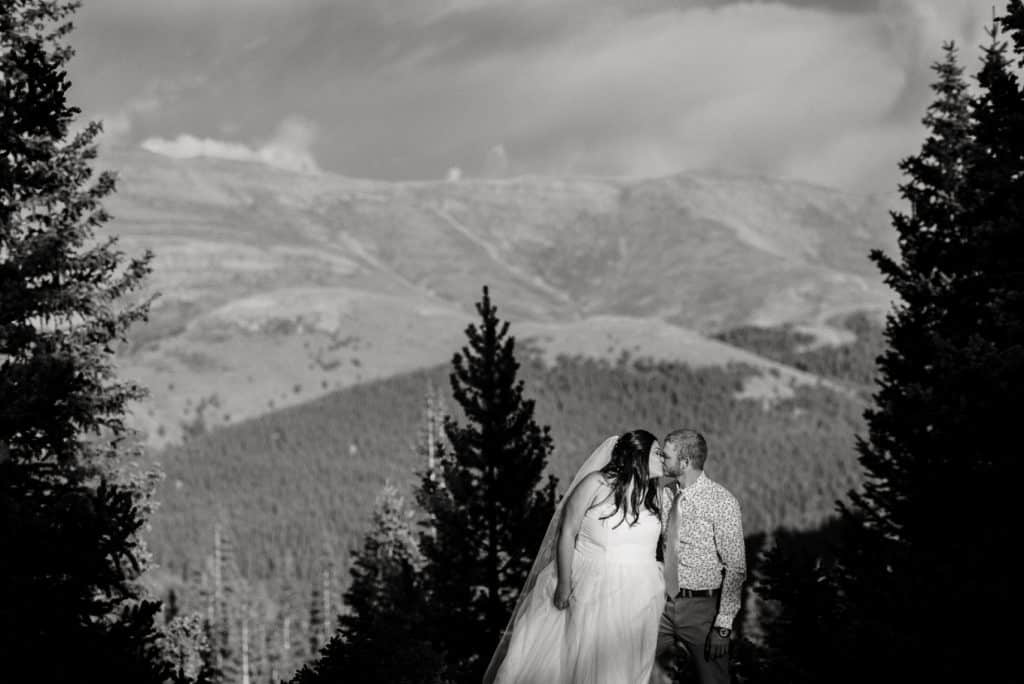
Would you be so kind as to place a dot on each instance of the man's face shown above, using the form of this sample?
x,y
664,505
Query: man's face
x,y
671,460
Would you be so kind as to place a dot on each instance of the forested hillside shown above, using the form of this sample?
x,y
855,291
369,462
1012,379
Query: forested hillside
x,y
292,480
852,363
276,287
266,513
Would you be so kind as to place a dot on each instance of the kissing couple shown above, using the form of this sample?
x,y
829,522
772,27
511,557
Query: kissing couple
x,y
598,607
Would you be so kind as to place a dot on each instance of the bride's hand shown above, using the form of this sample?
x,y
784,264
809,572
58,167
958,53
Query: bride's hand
x,y
563,592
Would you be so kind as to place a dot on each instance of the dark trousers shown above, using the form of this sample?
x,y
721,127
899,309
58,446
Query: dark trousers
x,y
683,632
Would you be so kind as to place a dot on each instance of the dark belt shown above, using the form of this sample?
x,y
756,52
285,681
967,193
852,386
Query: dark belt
x,y
697,593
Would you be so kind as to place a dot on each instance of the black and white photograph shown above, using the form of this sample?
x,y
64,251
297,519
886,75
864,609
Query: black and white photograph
x,y
510,341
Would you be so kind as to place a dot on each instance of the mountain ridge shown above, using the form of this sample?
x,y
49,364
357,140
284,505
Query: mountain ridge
x,y
699,253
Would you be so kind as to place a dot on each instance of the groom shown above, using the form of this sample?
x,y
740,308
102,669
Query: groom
x,y
705,562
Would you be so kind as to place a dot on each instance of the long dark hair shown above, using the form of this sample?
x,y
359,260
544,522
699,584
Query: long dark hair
x,y
629,476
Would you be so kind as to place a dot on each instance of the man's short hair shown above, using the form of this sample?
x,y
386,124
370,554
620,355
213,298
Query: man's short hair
x,y
691,444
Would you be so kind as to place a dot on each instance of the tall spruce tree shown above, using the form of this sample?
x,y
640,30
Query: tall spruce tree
x,y
488,510
71,608
187,650
384,636
926,575
918,585
323,588
431,430
1013,23
893,523
289,650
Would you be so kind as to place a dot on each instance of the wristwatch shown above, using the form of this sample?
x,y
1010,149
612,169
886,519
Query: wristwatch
x,y
724,632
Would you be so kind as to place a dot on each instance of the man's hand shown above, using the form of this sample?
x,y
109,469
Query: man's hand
x,y
562,594
716,645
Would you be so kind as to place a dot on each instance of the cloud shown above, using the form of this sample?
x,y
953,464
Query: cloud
x,y
118,125
496,162
845,6
805,92
830,91
187,146
163,9
290,148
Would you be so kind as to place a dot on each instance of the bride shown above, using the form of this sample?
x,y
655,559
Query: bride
x,y
589,611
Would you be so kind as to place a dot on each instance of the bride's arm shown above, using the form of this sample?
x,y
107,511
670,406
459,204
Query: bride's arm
x,y
580,500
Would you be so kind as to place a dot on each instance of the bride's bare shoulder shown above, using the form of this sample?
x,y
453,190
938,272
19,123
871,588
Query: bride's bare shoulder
x,y
594,479
592,485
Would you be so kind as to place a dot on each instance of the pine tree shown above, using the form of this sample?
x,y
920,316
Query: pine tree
x,y
899,455
219,609
227,605
921,582
431,433
246,667
69,520
383,637
261,649
322,606
171,606
210,671
1013,23
929,531
286,651
185,645
804,625
488,512
283,665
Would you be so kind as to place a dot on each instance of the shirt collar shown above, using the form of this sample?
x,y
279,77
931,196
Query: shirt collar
x,y
698,484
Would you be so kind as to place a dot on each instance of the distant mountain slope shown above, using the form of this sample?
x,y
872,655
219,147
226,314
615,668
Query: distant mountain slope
x,y
293,479
277,287
707,251
285,347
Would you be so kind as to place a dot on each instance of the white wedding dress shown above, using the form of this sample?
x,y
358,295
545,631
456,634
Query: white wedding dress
x,y
607,635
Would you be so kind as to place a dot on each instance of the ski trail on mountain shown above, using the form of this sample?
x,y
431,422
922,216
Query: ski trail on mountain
x,y
532,280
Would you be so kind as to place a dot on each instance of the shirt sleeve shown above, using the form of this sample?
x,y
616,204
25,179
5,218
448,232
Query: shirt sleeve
x,y
728,527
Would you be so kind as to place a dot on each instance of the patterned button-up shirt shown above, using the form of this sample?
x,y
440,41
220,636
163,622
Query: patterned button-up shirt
x,y
711,551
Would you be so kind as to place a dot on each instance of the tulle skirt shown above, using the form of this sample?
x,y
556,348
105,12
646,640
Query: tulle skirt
x,y
607,635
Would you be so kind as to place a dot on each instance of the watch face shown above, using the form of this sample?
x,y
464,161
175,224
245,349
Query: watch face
x,y
723,632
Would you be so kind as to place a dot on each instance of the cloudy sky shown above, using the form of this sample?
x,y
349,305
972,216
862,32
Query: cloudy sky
x,y
829,91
